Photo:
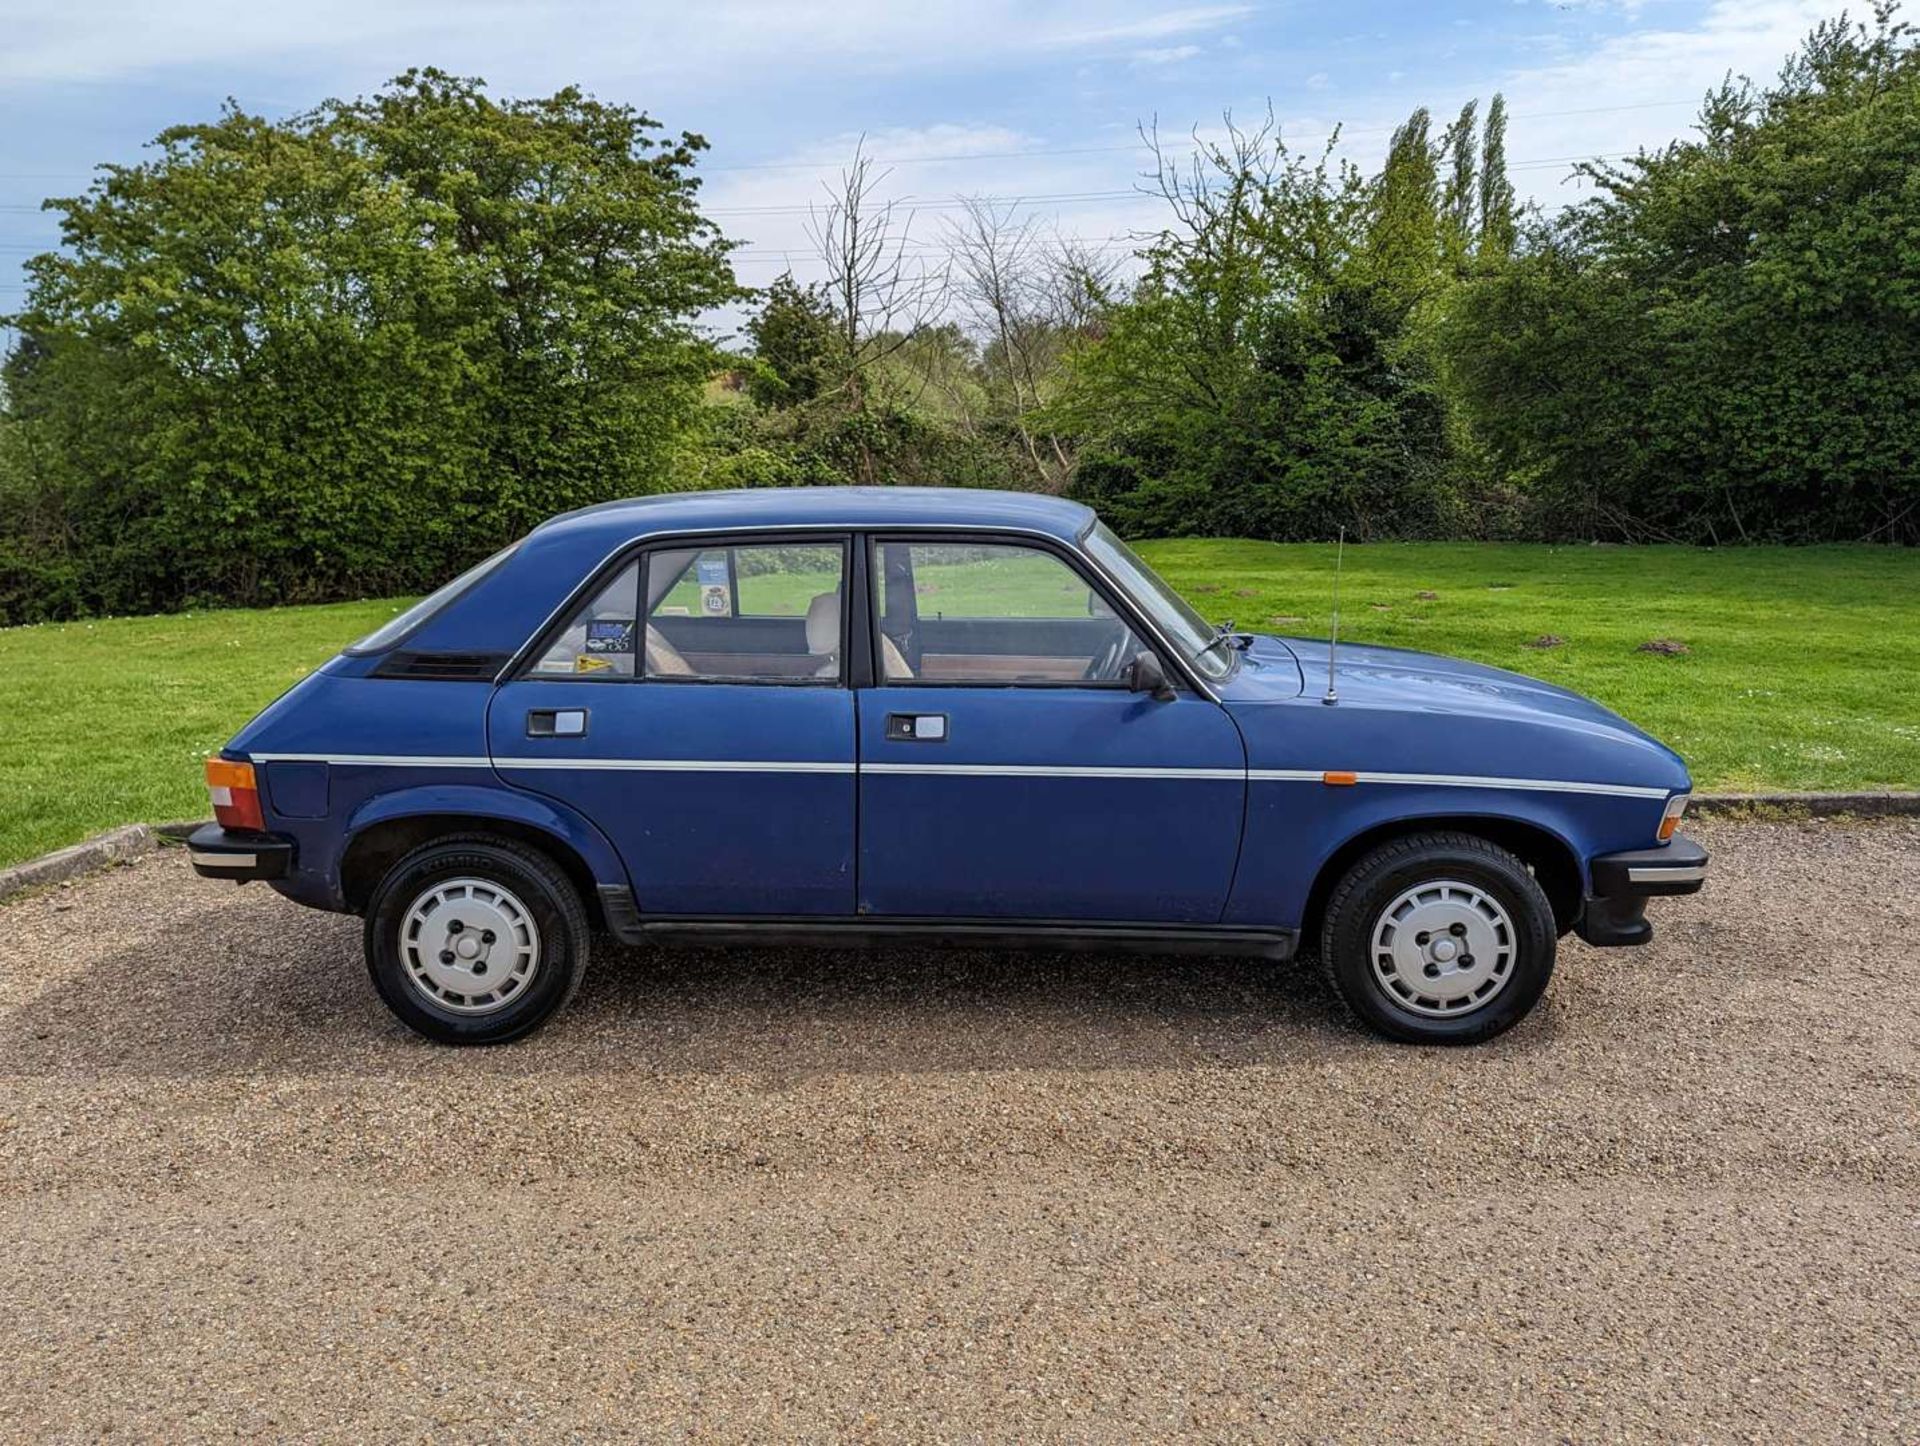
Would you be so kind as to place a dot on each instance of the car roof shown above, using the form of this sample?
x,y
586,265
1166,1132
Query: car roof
x,y
852,507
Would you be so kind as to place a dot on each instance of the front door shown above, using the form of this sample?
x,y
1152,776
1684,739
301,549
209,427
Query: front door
x,y
696,708
1006,770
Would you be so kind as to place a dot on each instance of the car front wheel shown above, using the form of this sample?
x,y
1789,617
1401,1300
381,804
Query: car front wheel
x,y
475,940
1440,938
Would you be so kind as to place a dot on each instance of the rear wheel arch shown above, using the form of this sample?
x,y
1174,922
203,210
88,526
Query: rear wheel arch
x,y
1551,859
375,849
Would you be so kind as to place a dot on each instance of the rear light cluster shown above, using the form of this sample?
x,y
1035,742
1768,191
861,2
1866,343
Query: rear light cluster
x,y
1670,820
236,797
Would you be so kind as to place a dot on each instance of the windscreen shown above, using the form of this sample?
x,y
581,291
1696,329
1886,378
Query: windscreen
x,y
1171,613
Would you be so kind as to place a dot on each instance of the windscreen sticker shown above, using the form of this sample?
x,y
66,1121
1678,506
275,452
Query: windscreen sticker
x,y
716,596
610,635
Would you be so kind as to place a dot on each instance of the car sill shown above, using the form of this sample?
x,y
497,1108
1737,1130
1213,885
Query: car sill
x,y
632,927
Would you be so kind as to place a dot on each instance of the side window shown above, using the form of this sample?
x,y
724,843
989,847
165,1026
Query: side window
x,y
759,613
993,613
600,640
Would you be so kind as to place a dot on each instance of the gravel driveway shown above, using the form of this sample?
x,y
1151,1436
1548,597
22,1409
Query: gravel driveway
x,y
773,1195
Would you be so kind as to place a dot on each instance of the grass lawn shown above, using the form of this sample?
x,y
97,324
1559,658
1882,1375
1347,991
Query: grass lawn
x,y
1802,670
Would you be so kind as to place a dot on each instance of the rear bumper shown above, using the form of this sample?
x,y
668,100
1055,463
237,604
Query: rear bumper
x,y
1615,914
217,854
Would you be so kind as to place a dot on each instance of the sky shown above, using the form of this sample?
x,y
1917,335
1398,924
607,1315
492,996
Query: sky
x,y
1037,103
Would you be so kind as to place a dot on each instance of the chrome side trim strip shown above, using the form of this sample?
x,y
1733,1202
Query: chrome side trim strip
x,y
960,770
1043,770
1654,874
402,760
1463,780
679,765
221,861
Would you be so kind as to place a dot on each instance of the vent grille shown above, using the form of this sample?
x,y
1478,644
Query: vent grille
x,y
443,667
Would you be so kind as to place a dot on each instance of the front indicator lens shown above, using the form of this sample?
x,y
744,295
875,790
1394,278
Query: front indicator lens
x,y
1670,820
236,797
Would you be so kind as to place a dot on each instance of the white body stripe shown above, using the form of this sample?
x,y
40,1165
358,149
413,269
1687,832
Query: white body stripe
x,y
962,770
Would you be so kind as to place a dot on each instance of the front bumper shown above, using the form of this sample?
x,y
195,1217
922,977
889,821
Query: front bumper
x,y
1615,914
217,854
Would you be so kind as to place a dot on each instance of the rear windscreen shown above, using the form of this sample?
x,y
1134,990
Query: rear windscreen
x,y
385,636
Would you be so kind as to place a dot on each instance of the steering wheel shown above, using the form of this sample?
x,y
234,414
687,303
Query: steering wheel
x,y
1105,665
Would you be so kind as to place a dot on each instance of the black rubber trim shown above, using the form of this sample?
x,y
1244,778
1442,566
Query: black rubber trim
x,y
440,667
617,909
1615,923
1613,874
271,855
626,923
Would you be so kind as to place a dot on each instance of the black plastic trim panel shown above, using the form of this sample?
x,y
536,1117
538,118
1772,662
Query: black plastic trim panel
x,y
441,667
625,921
218,854
1678,867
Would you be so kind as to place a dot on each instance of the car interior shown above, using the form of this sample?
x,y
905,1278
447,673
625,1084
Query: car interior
x,y
947,612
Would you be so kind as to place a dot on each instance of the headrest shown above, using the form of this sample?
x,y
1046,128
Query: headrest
x,y
823,623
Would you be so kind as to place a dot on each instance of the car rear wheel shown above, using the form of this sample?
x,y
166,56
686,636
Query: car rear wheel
x,y
1440,938
475,940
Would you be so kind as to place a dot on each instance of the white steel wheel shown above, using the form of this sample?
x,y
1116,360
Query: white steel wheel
x,y
1443,948
469,946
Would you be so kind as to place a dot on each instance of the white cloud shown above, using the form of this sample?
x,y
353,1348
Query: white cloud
x,y
1148,27
1641,88
1165,55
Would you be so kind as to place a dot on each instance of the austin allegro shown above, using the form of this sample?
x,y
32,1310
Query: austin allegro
x,y
838,716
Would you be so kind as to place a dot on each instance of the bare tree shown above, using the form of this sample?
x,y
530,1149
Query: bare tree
x,y
1082,279
882,293
1001,263
1027,297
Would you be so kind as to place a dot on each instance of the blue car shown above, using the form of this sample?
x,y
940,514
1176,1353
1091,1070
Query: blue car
x,y
854,715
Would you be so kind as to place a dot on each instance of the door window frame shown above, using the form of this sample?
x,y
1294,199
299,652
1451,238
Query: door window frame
x,y
855,649
1097,584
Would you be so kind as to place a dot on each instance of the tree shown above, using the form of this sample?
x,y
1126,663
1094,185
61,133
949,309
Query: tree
x,y
357,349
878,291
1724,343
1259,381
1497,224
794,337
1018,295
1460,200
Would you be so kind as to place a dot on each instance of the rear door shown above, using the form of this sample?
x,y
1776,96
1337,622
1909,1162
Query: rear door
x,y
1007,772
696,708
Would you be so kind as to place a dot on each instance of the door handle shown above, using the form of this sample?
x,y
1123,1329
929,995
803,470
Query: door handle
x,y
557,723
916,727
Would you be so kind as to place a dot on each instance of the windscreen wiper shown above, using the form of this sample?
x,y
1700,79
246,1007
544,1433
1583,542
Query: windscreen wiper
x,y
1226,634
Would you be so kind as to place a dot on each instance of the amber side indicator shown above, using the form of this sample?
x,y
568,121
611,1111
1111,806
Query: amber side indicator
x,y
1339,778
1670,820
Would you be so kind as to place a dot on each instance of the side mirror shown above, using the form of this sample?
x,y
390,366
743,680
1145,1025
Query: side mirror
x,y
1145,675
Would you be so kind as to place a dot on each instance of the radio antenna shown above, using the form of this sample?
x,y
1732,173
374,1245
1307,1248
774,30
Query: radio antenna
x,y
1333,638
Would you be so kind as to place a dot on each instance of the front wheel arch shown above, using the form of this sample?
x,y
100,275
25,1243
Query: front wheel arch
x,y
1555,866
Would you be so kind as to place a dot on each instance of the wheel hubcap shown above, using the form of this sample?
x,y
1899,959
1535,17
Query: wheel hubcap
x,y
469,946
1443,948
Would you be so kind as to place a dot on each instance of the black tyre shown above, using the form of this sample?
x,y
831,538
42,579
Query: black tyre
x,y
475,940
1439,938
